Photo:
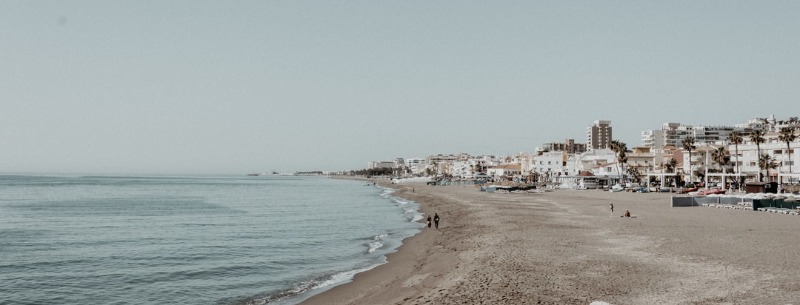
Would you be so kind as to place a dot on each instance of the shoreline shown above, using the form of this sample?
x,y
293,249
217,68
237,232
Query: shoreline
x,y
563,247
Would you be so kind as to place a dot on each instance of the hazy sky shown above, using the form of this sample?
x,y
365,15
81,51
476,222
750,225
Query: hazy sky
x,y
231,87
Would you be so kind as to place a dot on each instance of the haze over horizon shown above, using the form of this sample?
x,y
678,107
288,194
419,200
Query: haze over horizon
x,y
194,87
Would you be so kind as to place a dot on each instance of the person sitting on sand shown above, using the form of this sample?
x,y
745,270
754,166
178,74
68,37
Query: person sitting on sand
x,y
627,213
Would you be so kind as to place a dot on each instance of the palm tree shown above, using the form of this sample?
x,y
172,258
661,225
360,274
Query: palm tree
x,y
787,135
635,175
620,148
767,162
757,136
723,158
736,139
669,167
688,144
794,122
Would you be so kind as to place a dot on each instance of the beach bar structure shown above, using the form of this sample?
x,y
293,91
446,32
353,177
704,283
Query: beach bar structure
x,y
662,177
727,178
761,187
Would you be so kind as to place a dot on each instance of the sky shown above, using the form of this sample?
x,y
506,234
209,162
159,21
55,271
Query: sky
x,y
233,87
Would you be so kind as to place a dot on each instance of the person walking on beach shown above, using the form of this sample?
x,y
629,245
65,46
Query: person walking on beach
x,y
612,209
429,221
436,220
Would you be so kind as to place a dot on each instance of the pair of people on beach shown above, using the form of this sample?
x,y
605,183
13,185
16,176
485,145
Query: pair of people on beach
x,y
435,220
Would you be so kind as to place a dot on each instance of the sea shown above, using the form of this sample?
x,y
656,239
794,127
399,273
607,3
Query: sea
x,y
191,240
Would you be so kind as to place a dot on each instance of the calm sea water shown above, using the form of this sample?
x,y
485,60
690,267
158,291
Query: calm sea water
x,y
191,240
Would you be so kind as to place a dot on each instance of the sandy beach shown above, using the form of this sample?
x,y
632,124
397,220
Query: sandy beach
x,y
564,247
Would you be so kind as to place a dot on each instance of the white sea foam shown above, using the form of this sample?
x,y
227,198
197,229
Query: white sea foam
x,y
376,243
409,209
387,192
341,277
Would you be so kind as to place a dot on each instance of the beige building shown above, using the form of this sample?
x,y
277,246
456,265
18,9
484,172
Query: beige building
x,y
568,146
599,135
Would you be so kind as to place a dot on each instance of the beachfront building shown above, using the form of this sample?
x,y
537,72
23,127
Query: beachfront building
x,y
441,164
463,169
667,135
549,164
675,133
695,169
773,147
416,166
600,162
569,146
641,160
505,172
445,158
768,124
381,164
599,135
712,134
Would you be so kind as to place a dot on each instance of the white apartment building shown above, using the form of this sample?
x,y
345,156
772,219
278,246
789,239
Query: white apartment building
x,y
553,163
416,166
381,164
674,134
748,158
462,169
600,162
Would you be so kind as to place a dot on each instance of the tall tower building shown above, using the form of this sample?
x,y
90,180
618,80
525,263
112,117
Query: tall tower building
x,y
599,135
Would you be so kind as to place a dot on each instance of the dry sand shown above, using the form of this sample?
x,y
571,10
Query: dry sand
x,y
563,247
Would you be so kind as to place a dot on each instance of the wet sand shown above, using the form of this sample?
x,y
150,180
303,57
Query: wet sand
x,y
563,247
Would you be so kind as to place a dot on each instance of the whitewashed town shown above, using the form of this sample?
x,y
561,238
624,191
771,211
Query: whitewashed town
x,y
758,152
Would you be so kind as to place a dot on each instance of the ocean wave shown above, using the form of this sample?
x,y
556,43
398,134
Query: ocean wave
x,y
376,243
342,277
400,201
412,214
410,210
321,283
